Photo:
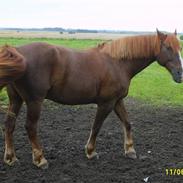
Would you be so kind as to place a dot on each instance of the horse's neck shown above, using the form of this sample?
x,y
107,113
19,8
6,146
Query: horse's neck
x,y
133,67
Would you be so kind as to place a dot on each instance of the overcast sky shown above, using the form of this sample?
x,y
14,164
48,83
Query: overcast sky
x,y
133,15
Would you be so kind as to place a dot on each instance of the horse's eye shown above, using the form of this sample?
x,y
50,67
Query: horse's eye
x,y
180,48
169,48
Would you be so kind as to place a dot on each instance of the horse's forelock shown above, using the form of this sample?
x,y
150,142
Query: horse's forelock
x,y
173,42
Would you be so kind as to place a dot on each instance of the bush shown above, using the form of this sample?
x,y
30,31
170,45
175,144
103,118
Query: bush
x,y
181,37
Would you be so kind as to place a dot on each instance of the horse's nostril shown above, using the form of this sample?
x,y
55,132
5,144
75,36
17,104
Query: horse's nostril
x,y
179,72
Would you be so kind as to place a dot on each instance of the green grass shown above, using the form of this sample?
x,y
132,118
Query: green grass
x,y
72,43
153,85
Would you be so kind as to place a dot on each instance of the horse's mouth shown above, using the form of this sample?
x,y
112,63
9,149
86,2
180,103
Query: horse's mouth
x,y
177,78
177,75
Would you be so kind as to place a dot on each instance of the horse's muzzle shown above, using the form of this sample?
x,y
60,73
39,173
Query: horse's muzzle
x,y
177,75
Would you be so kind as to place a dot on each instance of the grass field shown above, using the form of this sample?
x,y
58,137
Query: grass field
x,y
153,85
72,43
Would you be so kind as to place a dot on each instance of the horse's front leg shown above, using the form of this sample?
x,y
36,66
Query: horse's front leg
x,y
33,114
102,112
128,140
14,107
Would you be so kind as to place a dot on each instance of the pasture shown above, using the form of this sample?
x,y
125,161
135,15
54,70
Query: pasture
x,y
155,106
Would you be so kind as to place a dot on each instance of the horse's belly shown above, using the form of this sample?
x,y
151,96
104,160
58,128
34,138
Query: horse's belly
x,y
72,96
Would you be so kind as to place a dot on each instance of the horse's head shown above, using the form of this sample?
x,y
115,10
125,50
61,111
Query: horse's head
x,y
169,55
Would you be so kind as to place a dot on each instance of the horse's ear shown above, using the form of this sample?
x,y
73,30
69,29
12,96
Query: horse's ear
x,y
101,45
175,32
161,35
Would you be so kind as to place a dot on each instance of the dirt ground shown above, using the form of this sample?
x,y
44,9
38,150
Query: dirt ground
x,y
64,131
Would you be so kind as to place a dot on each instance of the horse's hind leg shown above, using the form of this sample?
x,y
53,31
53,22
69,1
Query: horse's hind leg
x,y
15,103
128,140
102,112
33,114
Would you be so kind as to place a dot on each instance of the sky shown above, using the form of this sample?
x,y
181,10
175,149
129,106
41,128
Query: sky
x,y
134,15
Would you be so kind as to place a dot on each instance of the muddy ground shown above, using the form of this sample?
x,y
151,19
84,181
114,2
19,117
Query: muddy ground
x,y
64,131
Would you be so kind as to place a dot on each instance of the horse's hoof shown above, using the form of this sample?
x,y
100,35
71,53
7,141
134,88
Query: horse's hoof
x,y
92,155
11,161
131,155
43,164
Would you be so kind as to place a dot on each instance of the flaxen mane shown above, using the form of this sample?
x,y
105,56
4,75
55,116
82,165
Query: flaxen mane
x,y
135,47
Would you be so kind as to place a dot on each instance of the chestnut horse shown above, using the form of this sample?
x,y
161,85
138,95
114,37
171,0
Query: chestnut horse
x,y
99,75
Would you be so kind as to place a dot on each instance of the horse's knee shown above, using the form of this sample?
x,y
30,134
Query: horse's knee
x,y
9,126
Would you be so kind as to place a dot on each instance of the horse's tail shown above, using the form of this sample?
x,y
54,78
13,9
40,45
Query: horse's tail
x,y
12,65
